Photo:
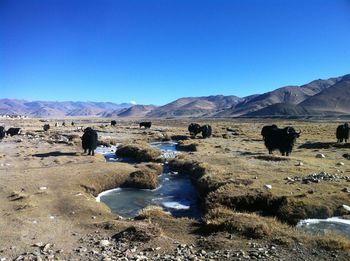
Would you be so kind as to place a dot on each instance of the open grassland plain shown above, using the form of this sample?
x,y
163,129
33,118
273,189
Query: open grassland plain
x,y
251,200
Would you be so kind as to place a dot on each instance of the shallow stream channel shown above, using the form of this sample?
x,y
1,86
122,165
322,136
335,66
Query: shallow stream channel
x,y
324,226
175,194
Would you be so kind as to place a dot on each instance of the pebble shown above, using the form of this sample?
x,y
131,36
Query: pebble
x,y
104,243
267,186
346,207
340,164
320,156
300,163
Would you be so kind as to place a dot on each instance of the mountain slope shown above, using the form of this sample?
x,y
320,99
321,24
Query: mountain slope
x,y
288,95
195,106
136,111
333,100
57,109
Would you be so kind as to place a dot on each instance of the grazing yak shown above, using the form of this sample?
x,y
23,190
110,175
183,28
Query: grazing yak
x,y
72,123
13,131
89,141
206,131
46,127
57,124
64,124
343,132
2,132
194,129
146,124
113,123
279,139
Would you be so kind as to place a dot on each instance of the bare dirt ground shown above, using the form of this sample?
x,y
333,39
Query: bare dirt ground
x,y
48,188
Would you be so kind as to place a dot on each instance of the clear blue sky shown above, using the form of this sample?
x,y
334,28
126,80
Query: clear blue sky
x,y
154,51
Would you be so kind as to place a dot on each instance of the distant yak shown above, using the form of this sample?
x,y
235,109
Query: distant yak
x,y
113,123
89,141
279,139
206,131
13,131
2,132
72,123
46,127
194,129
343,132
146,124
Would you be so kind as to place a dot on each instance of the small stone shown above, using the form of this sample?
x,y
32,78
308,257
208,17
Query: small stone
x,y
340,164
43,188
46,247
347,190
104,243
267,186
300,163
320,156
346,207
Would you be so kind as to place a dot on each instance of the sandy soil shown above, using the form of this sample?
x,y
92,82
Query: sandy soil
x,y
48,188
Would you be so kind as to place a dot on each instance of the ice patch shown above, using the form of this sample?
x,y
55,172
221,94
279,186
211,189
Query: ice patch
x,y
329,220
176,205
98,198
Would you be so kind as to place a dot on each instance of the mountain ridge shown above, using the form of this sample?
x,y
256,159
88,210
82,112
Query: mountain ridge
x,y
318,97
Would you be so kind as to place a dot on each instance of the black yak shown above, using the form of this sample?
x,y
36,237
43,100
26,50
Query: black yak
x,y
89,141
46,127
194,129
113,123
72,123
146,124
2,132
279,139
343,132
206,131
13,131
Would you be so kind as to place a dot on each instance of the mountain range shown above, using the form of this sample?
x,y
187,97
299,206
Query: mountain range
x,y
318,98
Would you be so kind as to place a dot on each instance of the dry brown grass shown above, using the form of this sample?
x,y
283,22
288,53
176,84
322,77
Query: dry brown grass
x,y
138,152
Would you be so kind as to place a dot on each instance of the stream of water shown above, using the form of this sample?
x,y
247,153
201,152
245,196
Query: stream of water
x,y
175,194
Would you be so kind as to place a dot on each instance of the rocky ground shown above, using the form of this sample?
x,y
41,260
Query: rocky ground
x,y
250,199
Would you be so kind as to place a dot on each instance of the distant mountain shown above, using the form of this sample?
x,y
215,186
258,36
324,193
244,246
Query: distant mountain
x,y
288,95
319,97
136,111
333,100
58,109
195,106
279,109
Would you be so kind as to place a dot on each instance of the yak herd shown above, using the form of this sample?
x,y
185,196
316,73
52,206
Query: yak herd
x,y
282,139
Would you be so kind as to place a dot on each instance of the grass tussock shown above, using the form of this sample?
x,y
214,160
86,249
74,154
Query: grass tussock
x,y
187,166
152,212
138,152
187,146
107,142
245,224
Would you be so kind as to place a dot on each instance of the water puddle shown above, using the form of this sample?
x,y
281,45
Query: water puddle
x,y
324,226
175,194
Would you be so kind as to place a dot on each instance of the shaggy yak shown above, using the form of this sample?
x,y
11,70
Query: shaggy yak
x,y
89,141
279,139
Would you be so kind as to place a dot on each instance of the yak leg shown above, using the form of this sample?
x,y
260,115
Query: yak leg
x,y
84,150
89,152
93,153
270,151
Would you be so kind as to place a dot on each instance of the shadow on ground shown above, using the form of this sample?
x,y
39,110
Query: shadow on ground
x,y
323,145
55,154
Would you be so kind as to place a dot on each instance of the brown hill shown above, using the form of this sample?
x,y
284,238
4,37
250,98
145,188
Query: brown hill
x,y
288,95
195,106
136,111
333,100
